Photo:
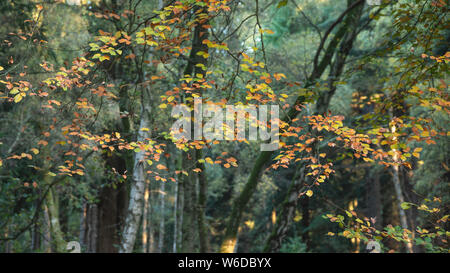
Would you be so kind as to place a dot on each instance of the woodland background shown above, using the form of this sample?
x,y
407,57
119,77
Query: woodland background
x,y
87,88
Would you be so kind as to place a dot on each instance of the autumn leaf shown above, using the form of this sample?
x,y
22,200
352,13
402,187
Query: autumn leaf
x,y
161,167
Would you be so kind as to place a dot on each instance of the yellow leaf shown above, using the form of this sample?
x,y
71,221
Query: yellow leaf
x,y
309,193
163,106
17,98
209,160
1,68
425,134
250,224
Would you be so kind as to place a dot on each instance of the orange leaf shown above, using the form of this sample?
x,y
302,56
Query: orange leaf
x,y
161,167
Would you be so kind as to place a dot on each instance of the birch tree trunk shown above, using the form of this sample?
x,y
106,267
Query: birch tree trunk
x,y
398,190
151,224
145,221
135,206
57,237
162,219
175,217
137,188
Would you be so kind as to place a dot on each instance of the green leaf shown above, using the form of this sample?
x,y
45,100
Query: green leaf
x,y
405,205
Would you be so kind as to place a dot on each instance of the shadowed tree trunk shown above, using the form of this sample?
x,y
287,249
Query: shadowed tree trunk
x,y
202,196
46,230
374,197
91,228
285,217
194,185
188,227
111,211
179,208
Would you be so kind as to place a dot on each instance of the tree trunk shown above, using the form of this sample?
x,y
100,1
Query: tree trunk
x,y
188,226
285,217
57,237
400,200
305,222
179,208
162,218
110,217
83,219
137,189
398,111
202,197
92,228
36,235
191,218
47,235
175,218
145,222
374,197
